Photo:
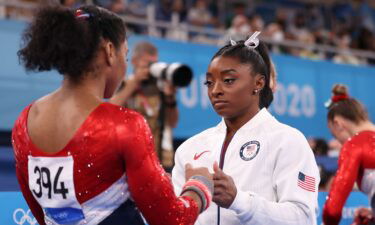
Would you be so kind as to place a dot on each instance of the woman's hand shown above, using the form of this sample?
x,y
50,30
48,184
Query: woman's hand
x,y
202,171
225,190
363,216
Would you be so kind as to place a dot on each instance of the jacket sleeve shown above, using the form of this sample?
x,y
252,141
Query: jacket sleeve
x,y
342,185
295,182
149,185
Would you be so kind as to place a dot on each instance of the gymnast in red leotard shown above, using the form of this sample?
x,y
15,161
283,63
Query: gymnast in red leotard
x,y
349,123
80,160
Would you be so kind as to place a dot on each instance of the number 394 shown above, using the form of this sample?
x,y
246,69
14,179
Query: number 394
x,y
44,181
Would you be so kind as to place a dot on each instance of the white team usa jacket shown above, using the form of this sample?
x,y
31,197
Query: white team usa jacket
x,y
273,168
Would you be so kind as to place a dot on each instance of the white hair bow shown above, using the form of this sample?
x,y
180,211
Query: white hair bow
x,y
252,42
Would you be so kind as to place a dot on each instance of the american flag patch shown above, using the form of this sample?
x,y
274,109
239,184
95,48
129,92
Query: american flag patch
x,y
306,182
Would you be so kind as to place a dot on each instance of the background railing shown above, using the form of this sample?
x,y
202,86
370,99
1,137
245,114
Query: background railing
x,y
175,30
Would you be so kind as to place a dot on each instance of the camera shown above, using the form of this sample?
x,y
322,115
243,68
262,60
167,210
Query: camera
x,y
180,75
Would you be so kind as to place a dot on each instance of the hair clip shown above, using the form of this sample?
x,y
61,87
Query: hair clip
x,y
233,43
253,40
328,103
80,14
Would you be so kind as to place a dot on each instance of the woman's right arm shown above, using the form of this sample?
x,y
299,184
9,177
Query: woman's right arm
x,y
149,184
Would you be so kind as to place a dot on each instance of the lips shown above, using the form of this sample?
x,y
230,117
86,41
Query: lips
x,y
219,102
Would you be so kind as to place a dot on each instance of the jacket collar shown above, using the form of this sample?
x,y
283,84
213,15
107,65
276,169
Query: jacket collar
x,y
262,116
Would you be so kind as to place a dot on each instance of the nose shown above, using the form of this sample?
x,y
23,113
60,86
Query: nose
x,y
217,90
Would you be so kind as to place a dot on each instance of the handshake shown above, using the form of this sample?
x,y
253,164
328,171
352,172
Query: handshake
x,y
225,190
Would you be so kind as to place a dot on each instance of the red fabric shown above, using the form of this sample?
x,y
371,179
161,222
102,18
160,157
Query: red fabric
x,y
357,154
111,141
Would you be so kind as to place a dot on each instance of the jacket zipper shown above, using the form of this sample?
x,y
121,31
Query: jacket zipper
x,y
224,148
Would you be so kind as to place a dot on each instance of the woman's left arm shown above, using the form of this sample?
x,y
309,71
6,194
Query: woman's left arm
x,y
342,185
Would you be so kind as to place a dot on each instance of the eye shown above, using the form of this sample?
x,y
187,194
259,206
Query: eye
x,y
208,83
229,80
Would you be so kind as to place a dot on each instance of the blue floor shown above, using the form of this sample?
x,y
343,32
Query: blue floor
x,y
8,179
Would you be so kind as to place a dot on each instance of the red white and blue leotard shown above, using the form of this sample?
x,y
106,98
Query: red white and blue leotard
x,y
356,163
109,163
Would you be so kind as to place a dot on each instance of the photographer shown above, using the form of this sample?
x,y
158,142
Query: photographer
x,y
142,93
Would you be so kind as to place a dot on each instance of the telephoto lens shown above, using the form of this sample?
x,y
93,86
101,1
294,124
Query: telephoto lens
x,y
179,74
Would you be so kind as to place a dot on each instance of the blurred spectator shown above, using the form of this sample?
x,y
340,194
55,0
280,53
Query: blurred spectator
x,y
70,3
256,23
326,178
364,13
239,29
343,43
138,8
320,147
164,11
177,30
116,6
200,15
275,33
334,147
178,8
22,13
314,17
237,8
308,39
298,27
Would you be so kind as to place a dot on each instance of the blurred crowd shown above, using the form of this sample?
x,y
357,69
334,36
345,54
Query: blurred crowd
x,y
343,24
326,154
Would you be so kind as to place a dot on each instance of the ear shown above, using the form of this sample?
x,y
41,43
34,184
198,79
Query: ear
x,y
110,53
260,81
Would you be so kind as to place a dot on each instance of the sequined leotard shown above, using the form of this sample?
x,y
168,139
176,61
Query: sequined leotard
x,y
109,164
356,163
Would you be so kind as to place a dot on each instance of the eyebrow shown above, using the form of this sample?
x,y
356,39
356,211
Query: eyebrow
x,y
228,71
223,72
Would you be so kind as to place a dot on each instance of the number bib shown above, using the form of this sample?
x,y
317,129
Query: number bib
x,y
51,183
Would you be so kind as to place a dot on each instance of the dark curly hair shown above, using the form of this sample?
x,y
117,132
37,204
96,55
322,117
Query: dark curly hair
x,y
58,38
260,63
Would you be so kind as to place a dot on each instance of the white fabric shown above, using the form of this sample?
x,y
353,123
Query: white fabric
x,y
368,183
267,183
46,174
102,205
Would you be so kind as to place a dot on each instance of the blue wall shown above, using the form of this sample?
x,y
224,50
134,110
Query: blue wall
x,y
303,86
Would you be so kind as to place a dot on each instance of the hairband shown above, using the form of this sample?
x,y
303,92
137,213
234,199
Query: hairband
x,y
252,42
335,99
80,14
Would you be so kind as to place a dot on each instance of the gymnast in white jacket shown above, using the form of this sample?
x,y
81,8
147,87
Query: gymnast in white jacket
x,y
264,171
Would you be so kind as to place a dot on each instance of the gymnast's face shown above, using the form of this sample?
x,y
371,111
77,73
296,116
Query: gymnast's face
x,y
230,87
338,129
